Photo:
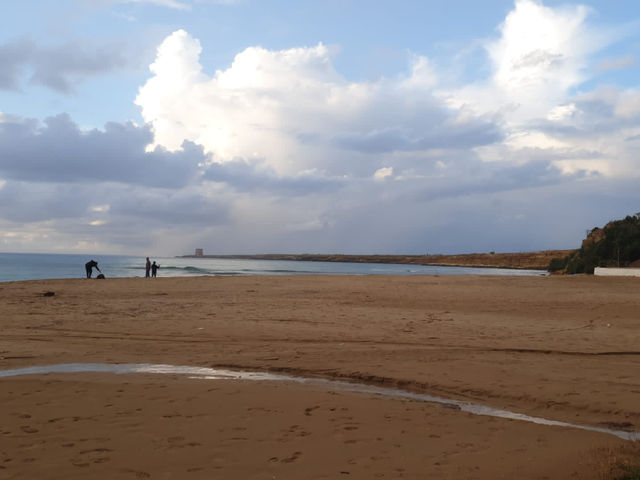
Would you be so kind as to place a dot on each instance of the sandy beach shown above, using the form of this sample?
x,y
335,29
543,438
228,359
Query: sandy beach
x,y
562,348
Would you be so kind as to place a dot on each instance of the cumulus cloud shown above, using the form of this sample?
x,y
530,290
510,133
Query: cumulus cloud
x,y
540,60
278,151
272,116
541,54
293,110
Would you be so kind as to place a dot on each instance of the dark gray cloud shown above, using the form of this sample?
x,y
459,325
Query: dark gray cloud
x,y
597,113
115,204
432,136
25,202
166,209
245,176
60,67
526,219
14,56
471,178
59,151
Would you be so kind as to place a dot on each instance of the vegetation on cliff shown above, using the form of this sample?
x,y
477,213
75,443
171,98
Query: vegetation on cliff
x,y
615,245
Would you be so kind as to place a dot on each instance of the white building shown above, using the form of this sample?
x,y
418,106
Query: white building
x,y
617,272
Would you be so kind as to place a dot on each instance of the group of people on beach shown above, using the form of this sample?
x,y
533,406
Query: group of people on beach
x,y
151,267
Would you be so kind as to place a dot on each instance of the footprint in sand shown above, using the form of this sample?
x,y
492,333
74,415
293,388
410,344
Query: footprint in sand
x,y
98,450
139,474
308,410
292,458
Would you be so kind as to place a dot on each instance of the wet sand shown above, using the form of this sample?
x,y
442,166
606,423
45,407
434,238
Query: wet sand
x,y
563,348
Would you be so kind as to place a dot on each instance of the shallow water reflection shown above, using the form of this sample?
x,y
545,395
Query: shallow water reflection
x,y
221,374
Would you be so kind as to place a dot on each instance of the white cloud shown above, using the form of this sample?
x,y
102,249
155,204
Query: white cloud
x,y
542,53
539,61
291,109
279,152
562,112
256,107
100,208
382,173
271,116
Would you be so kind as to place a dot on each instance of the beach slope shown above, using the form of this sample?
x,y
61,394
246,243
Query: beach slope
x,y
561,348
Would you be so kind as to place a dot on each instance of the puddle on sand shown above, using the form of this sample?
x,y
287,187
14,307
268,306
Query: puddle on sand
x,y
221,374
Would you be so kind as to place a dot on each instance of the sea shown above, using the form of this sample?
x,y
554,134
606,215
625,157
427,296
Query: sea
x,y
38,266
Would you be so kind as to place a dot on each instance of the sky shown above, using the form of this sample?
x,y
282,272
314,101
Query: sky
x,y
154,127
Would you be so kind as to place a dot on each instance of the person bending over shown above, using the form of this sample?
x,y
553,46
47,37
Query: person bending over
x,y
89,267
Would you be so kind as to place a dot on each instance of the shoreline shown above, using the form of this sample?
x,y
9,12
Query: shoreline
x,y
516,261
561,348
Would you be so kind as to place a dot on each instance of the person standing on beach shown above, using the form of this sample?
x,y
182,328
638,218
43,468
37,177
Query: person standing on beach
x,y
147,268
154,269
89,267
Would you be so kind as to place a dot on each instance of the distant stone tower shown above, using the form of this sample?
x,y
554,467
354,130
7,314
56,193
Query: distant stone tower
x,y
199,252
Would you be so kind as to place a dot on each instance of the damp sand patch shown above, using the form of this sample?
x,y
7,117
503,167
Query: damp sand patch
x,y
206,373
